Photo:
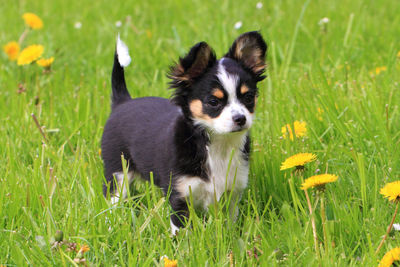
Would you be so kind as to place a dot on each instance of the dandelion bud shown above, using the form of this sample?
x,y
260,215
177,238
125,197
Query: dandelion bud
x,y
59,236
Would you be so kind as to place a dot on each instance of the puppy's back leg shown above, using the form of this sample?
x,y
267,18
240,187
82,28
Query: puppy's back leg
x,y
122,185
119,189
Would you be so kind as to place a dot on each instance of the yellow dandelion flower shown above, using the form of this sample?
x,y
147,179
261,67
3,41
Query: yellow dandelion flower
x,y
170,263
81,253
12,50
391,191
300,129
33,21
84,249
390,257
318,180
45,62
378,70
285,129
30,54
298,160
398,54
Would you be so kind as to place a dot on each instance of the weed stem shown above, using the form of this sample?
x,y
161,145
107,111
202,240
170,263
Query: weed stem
x,y
314,228
389,228
39,127
323,219
23,36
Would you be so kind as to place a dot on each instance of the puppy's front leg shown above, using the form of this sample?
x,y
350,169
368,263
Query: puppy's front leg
x,y
181,213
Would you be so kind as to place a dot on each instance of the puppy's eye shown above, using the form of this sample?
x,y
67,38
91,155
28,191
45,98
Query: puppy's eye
x,y
248,98
214,102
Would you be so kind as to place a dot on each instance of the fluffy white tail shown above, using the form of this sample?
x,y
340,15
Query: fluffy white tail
x,y
123,53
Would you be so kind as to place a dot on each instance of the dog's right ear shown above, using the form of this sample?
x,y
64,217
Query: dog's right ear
x,y
249,49
199,59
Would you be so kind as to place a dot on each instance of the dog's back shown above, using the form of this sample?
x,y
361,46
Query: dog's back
x,y
151,120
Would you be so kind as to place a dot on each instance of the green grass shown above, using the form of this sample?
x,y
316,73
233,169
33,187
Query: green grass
x,y
357,138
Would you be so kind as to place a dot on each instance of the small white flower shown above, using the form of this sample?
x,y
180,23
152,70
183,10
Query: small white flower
x,y
78,25
238,25
118,24
323,21
259,5
396,227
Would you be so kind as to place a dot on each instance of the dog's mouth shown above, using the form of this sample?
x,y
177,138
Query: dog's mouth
x,y
238,129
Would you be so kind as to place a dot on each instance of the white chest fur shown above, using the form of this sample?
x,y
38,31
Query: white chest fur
x,y
228,171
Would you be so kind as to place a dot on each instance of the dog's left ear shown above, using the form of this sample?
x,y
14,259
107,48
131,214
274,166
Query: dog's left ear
x,y
194,64
249,49
188,70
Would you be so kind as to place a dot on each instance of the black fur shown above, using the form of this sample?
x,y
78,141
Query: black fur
x,y
119,91
246,149
190,143
159,136
165,143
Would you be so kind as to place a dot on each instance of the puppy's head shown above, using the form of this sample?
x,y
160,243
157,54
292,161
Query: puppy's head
x,y
220,95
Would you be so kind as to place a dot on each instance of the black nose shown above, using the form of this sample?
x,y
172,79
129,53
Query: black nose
x,y
239,119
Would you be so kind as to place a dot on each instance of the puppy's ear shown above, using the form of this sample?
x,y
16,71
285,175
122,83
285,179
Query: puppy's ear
x,y
192,66
249,49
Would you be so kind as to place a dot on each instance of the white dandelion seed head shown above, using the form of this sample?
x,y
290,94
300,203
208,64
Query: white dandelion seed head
x,y
118,24
78,25
323,21
238,25
259,5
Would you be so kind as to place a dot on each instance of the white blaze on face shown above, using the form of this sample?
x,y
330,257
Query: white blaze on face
x,y
224,122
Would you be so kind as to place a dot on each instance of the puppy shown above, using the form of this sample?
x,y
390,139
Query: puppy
x,y
197,143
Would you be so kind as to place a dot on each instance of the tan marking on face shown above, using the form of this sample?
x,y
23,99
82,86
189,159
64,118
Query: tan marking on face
x,y
218,93
196,107
244,89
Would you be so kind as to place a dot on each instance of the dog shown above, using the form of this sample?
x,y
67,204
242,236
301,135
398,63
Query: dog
x,y
196,144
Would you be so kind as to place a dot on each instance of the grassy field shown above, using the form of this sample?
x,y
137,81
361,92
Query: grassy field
x,y
341,78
